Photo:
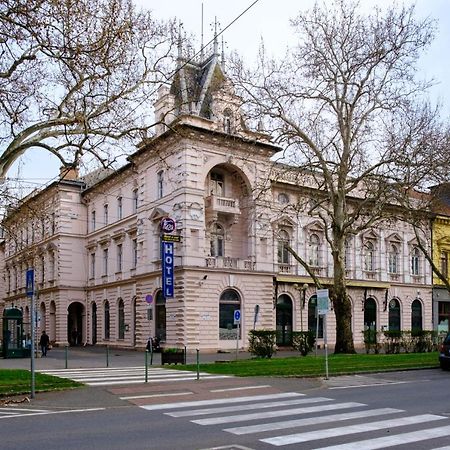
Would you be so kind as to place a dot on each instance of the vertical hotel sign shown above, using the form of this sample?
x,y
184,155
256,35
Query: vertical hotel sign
x,y
167,256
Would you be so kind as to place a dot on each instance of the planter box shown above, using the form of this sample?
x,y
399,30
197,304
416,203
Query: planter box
x,y
173,358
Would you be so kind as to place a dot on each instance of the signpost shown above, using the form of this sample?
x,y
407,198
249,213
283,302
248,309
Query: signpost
x,y
30,293
237,321
323,306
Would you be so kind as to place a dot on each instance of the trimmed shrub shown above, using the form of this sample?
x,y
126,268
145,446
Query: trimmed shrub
x,y
262,343
303,341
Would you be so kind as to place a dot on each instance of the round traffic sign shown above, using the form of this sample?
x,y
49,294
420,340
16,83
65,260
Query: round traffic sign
x,y
237,315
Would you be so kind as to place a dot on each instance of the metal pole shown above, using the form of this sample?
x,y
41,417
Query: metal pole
x,y
317,327
33,379
151,353
107,356
66,356
237,338
198,364
146,366
326,346
185,355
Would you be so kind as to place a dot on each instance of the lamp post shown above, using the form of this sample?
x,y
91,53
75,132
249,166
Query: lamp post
x,y
303,290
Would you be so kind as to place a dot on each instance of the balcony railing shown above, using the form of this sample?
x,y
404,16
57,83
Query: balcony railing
x,y
222,204
224,262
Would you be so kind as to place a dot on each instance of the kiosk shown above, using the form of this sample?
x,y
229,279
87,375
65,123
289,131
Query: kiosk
x,y
16,342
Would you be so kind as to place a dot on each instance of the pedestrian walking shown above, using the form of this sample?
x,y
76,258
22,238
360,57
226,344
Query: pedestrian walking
x,y
44,342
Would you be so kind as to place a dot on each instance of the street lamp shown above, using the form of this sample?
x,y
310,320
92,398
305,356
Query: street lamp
x,y
303,290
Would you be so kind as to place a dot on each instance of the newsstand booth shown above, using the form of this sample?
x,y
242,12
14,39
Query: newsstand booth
x,y
16,343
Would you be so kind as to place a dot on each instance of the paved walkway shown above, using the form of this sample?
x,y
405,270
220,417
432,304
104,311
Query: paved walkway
x,y
78,357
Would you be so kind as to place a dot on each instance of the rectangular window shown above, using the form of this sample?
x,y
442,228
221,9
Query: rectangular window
x,y
444,264
135,200
93,221
217,184
92,265
119,258
134,256
105,215
160,180
53,225
42,269
105,261
52,266
119,208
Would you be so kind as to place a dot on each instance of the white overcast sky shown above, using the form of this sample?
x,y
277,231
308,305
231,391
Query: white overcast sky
x,y
267,20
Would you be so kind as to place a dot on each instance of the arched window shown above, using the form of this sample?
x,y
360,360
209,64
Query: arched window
x,y
369,257
228,303
393,259
415,261
217,240
283,243
107,321
312,318
121,319
314,250
416,315
394,315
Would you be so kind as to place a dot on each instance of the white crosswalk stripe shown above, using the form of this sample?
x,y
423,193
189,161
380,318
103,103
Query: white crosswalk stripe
x,y
14,413
127,375
313,420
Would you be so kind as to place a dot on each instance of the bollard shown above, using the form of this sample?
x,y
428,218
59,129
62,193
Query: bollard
x,y
66,354
185,355
198,364
107,356
146,366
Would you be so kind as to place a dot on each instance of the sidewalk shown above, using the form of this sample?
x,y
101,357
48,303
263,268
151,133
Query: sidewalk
x,y
88,357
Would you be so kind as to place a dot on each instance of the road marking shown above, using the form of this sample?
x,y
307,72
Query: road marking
x,y
243,388
270,414
43,413
221,401
199,412
311,421
351,429
170,394
369,385
157,380
390,441
23,409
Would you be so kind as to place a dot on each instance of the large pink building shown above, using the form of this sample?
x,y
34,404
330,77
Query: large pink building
x,y
95,243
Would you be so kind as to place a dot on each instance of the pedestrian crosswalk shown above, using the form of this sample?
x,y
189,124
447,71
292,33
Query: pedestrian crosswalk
x,y
292,418
127,375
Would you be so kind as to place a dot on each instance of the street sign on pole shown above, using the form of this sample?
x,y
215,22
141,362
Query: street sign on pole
x,y
237,316
323,302
30,293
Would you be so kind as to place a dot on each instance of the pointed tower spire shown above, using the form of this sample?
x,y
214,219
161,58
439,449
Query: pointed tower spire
x,y
223,55
216,44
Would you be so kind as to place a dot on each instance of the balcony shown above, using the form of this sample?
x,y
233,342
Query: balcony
x,y
225,262
222,205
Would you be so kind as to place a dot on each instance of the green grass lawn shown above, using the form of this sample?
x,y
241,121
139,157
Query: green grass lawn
x,y
17,381
314,366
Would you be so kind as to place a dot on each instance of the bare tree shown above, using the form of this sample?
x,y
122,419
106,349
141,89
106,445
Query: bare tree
x,y
77,76
345,105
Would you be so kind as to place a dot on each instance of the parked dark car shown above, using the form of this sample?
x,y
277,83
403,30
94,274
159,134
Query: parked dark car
x,y
444,353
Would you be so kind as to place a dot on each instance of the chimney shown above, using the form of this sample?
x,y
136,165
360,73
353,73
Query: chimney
x,y
69,172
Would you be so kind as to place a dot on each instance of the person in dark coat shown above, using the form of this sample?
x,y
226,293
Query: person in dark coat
x,y
44,343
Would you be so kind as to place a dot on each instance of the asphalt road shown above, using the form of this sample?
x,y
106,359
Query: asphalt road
x,y
383,409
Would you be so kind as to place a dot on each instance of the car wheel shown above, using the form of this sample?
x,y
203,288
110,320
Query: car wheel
x,y
444,366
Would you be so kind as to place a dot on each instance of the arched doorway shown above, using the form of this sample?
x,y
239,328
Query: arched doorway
x,y
394,315
229,302
416,316
94,323
284,320
121,319
75,314
160,316
42,317
52,322
134,316
370,319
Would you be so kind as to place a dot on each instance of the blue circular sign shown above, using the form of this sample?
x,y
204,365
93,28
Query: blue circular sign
x,y
237,315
